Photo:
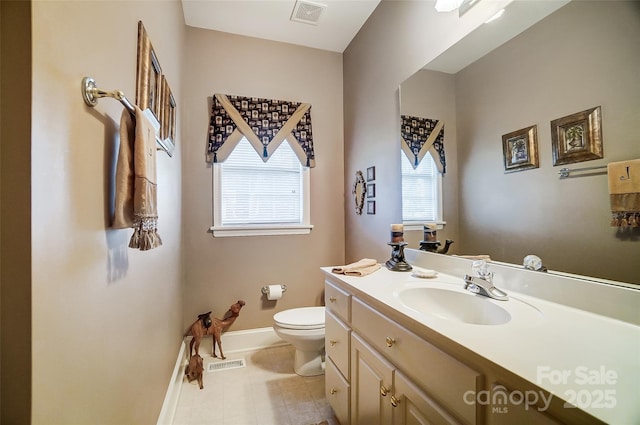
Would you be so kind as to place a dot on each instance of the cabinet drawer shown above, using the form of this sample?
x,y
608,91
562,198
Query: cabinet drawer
x,y
442,377
337,342
337,391
338,301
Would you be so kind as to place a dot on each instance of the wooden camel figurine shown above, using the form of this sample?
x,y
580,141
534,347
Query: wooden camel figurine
x,y
205,325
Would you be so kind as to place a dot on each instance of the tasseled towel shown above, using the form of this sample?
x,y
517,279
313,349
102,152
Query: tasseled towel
x,y
624,192
136,185
359,268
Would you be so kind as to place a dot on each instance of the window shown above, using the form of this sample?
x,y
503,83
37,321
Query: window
x,y
421,192
253,197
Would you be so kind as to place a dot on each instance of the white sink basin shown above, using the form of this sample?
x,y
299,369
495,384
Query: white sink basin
x,y
455,305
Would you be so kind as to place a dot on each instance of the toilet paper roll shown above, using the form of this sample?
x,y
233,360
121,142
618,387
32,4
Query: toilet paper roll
x,y
274,292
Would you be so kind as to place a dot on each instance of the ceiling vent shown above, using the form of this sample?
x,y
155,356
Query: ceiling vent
x,y
307,12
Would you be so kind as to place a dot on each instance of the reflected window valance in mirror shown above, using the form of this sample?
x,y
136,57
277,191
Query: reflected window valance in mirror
x,y
422,135
264,122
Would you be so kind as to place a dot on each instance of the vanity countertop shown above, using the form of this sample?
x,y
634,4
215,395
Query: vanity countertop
x,y
581,357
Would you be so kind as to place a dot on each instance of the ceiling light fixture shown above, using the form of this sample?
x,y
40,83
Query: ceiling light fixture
x,y
463,6
447,5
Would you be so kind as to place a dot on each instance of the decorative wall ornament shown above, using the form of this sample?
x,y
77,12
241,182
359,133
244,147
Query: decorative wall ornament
x,y
520,150
422,135
577,137
264,122
359,191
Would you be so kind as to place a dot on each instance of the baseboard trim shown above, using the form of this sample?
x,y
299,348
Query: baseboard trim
x,y
246,340
170,404
232,342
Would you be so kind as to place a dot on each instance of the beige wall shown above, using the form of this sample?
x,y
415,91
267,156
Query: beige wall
x,y
220,271
582,56
392,45
106,319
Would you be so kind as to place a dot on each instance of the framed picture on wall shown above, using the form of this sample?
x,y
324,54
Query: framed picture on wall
x,y
520,150
371,190
371,173
148,75
577,137
371,207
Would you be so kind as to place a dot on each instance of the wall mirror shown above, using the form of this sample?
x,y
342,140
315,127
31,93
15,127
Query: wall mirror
x,y
558,60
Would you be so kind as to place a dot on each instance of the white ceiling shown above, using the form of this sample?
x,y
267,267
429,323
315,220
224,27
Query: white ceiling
x,y
339,22
517,17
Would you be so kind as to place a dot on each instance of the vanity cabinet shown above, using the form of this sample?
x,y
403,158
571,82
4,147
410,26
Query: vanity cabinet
x,y
364,384
444,377
385,369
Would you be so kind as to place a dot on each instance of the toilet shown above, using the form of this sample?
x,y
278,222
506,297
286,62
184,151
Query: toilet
x,y
304,329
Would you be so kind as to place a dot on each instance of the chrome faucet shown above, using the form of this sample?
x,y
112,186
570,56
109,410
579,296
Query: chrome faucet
x,y
482,283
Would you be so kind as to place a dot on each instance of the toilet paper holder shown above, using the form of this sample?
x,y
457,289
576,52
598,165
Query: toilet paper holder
x,y
265,289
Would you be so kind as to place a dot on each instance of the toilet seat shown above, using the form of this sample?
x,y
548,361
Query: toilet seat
x,y
300,318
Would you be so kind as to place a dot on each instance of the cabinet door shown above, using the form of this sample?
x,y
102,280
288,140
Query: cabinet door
x,y
411,406
337,391
371,385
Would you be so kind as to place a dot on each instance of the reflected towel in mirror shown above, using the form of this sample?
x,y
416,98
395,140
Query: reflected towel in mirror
x,y
624,192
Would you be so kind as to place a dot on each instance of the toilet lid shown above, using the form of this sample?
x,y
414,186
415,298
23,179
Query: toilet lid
x,y
301,318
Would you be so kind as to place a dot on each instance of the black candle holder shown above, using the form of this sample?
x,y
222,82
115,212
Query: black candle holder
x,y
430,246
397,263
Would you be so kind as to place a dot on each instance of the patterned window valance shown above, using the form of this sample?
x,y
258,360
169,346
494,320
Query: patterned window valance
x,y
422,135
264,122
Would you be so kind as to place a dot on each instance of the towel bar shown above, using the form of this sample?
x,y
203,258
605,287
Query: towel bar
x,y
565,172
91,93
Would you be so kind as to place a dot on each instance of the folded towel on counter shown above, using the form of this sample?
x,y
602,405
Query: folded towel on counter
x,y
624,192
136,203
359,268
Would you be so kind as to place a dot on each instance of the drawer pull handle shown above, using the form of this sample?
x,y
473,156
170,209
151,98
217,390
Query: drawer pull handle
x,y
395,401
333,391
383,391
332,299
333,342
390,341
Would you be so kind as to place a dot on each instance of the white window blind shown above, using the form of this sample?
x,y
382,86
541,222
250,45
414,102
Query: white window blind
x,y
257,192
420,190
253,197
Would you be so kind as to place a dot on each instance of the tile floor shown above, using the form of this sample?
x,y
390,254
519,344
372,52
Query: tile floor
x,y
265,392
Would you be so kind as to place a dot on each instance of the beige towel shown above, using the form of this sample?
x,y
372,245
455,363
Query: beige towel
x,y
359,268
624,192
136,184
